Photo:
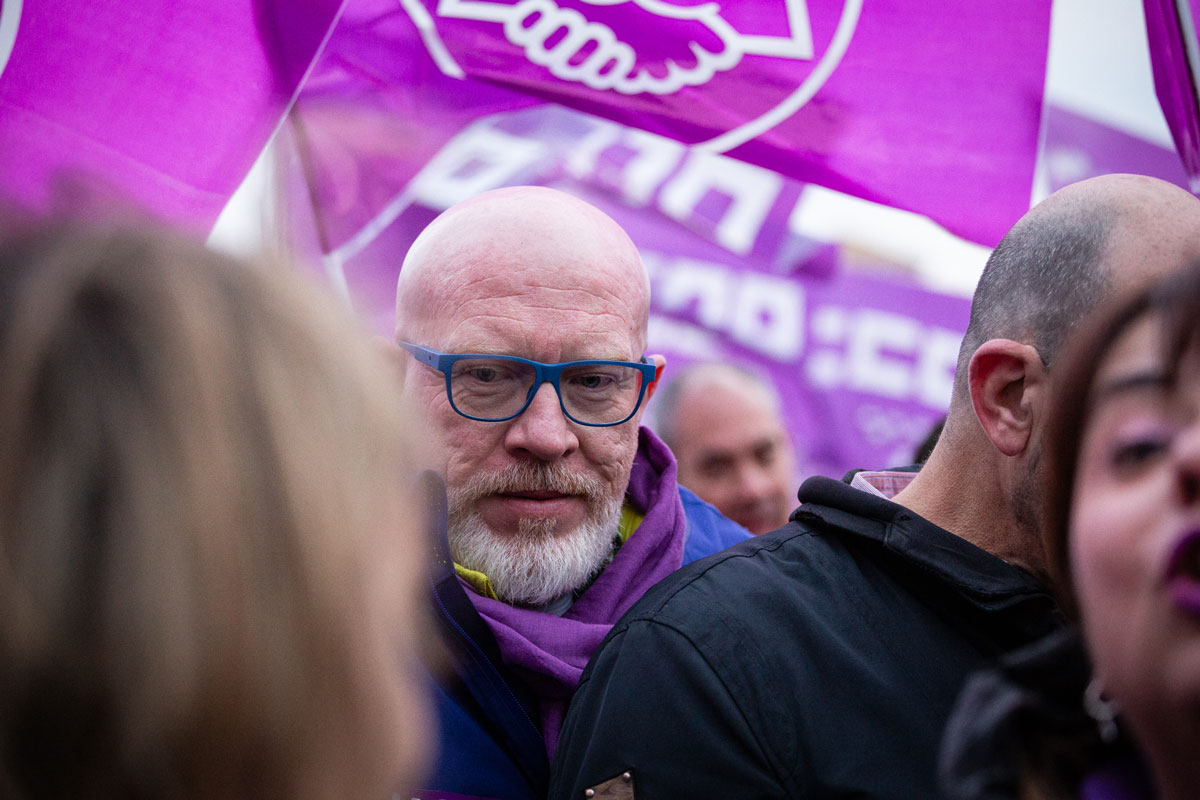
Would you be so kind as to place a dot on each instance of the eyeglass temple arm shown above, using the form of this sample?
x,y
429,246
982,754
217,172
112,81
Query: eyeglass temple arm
x,y
423,354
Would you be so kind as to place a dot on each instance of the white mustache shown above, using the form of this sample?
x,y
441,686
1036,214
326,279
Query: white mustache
x,y
529,477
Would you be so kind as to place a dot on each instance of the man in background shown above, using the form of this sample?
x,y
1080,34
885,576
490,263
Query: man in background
x,y
723,424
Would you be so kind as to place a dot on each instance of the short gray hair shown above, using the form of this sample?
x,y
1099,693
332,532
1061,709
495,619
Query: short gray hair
x,y
1046,274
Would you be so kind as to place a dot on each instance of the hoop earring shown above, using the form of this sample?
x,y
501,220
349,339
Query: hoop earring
x,y
1103,710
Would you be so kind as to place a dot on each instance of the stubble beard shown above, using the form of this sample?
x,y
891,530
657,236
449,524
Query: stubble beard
x,y
536,563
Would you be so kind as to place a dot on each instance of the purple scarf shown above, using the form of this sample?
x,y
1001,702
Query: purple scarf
x,y
550,652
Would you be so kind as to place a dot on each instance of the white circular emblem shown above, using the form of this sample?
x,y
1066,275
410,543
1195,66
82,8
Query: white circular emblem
x,y
574,41
10,15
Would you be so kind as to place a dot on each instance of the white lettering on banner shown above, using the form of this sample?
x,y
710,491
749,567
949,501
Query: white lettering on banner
x,y
762,312
479,159
651,159
882,353
936,362
708,285
10,17
752,191
639,165
823,366
768,315
686,339
609,63
870,369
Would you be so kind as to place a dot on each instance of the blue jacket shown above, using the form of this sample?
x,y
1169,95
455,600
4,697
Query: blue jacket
x,y
490,744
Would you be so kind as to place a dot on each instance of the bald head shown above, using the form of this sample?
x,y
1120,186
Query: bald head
x,y
1070,253
526,239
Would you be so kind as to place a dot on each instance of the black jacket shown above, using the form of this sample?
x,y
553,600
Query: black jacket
x,y
1020,729
821,660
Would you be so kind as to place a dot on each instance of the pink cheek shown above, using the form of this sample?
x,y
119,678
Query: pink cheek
x,y
1106,564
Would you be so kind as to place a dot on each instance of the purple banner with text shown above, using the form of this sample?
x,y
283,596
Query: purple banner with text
x,y
864,364
930,107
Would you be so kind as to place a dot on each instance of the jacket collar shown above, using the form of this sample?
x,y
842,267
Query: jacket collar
x,y
980,577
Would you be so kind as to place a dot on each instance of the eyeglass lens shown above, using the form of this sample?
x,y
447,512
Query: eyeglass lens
x,y
495,388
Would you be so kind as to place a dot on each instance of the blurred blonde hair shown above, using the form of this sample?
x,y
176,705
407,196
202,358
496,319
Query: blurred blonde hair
x,y
202,508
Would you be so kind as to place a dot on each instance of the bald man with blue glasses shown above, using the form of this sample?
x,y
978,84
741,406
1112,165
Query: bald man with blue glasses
x,y
521,322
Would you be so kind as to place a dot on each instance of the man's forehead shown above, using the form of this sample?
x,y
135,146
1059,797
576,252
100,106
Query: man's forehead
x,y
715,414
535,262
727,389
523,314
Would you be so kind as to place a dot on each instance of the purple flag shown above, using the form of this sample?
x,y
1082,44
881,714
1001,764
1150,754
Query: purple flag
x,y
1175,59
931,107
1078,148
166,103
864,364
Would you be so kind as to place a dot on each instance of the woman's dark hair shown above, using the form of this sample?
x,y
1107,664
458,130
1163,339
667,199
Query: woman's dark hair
x,y
1175,302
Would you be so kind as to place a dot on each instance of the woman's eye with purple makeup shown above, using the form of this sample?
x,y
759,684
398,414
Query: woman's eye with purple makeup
x,y
1132,452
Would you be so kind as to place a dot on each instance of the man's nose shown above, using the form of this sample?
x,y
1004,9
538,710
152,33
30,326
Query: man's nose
x,y
542,431
752,482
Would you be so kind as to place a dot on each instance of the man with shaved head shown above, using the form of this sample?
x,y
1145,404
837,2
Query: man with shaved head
x,y
522,315
725,427
822,660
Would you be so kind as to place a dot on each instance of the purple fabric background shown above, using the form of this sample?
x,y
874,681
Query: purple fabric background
x,y
932,108
1077,148
1175,77
166,104
864,363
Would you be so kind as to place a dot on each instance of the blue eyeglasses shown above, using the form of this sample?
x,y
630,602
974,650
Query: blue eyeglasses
x,y
492,388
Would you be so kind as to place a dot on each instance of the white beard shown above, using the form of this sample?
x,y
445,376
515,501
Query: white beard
x,y
534,564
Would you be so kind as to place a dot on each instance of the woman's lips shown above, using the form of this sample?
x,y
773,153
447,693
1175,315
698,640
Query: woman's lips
x,y
1183,574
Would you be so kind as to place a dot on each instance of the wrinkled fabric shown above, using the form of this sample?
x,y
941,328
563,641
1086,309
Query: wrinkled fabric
x,y
162,105
820,660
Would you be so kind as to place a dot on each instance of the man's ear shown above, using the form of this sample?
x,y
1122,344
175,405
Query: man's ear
x,y
659,363
1005,378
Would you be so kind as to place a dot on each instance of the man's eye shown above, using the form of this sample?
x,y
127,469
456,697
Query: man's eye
x,y
594,381
484,374
764,455
714,468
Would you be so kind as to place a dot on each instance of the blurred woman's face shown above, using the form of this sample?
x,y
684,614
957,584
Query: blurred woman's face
x,y
1135,529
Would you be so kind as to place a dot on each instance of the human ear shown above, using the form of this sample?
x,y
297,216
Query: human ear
x,y
1005,378
659,363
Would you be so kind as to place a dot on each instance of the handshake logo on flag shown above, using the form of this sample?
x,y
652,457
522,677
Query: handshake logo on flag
x,y
634,46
